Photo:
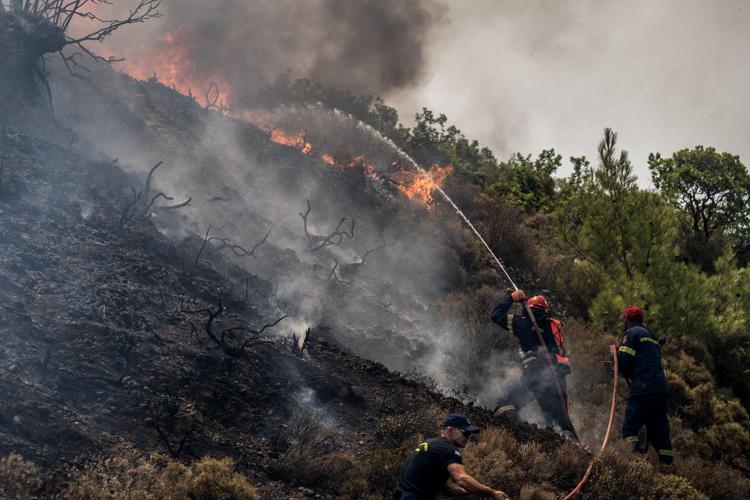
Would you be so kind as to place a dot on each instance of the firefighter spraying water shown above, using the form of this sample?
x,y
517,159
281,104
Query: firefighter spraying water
x,y
540,381
548,384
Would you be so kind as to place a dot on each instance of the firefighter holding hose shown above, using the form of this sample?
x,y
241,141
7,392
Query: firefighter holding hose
x,y
544,367
639,357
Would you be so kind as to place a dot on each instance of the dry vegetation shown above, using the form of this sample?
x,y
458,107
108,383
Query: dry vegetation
x,y
124,473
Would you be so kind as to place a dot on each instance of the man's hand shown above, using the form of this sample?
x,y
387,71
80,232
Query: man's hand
x,y
452,489
463,480
518,296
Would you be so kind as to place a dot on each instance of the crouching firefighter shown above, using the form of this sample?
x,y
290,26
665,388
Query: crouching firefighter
x,y
436,466
540,380
639,360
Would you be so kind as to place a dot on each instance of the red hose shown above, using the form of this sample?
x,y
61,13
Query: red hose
x,y
613,352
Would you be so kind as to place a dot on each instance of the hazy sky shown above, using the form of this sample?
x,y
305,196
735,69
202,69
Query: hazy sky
x,y
528,75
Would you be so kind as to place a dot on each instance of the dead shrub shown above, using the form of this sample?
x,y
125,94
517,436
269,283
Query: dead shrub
x,y
216,479
492,459
569,462
126,475
504,230
616,475
673,487
479,350
537,463
397,430
378,472
534,492
305,431
19,478
715,479
326,472
309,455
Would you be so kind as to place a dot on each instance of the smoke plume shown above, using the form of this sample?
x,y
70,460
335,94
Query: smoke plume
x,y
367,47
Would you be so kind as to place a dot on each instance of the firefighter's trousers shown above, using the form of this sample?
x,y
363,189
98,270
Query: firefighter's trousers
x,y
537,383
649,411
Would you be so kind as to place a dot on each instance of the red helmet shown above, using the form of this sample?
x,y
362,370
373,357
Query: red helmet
x,y
634,314
539,302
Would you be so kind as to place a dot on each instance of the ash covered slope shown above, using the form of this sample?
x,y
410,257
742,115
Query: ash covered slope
x,y
98,348
105,315
375,284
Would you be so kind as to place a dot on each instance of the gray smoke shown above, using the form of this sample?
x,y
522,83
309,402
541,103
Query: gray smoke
x,y
536,74
367,47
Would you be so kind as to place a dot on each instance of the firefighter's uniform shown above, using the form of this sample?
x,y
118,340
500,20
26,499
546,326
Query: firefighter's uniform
x,y
639,359
537,378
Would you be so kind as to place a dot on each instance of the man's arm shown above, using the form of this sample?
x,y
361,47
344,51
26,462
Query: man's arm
x,y
626,354
452,489
463,480
500,313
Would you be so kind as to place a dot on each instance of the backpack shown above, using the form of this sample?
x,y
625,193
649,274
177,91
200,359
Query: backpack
x,y
557,330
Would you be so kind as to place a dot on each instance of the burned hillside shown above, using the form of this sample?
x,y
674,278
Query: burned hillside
x,y
115,334
174,281
278,302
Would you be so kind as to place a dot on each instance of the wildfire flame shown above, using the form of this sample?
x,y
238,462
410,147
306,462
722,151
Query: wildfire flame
x,y
171,64
417,186
420,187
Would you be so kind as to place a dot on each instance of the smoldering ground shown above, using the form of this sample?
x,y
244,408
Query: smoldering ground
x,y
388,307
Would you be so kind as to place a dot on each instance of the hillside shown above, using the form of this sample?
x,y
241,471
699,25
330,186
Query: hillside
x,y
182,285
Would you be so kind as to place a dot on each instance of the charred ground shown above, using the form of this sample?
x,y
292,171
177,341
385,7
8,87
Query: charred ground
x,y
161,261
105,339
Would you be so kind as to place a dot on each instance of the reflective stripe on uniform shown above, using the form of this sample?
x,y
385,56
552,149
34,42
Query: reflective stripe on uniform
x,y
649,339
510,323
666,453
422,446
506,408
527,357
631,439
627,350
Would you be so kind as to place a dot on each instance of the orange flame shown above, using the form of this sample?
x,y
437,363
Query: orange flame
x,y
420,187
171,64
328,159
296,141
415,185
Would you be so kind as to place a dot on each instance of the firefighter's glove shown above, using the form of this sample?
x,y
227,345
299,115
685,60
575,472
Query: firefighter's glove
x,y
518,296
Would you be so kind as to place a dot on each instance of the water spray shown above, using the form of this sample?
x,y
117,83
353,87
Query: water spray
x,y
399,152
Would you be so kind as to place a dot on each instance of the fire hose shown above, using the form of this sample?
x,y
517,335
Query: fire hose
x,y
534,324
538,331
548,357
577,489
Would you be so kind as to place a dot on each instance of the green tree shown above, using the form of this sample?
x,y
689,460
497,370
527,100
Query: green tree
x,y
607,220
714,190
528,183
